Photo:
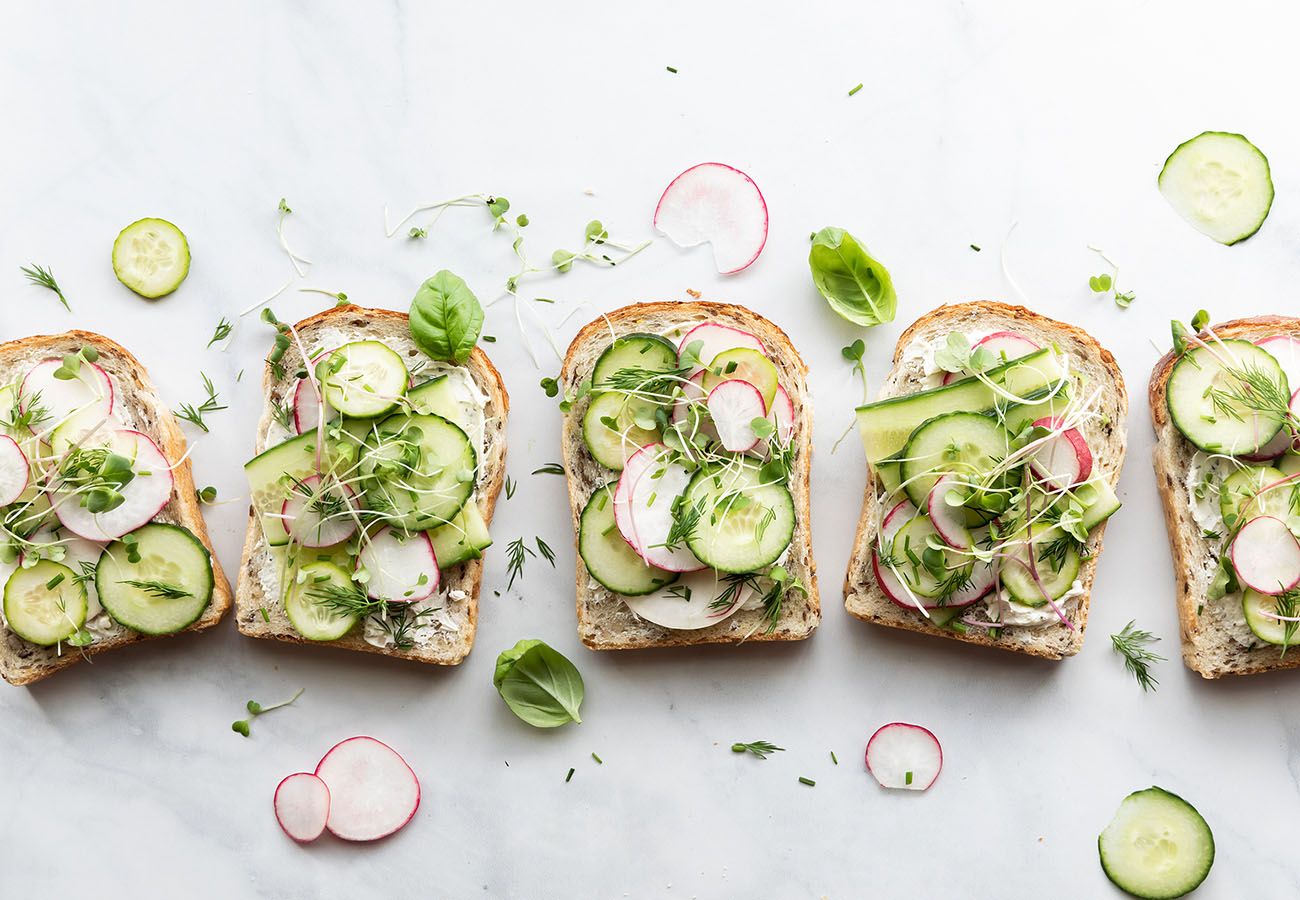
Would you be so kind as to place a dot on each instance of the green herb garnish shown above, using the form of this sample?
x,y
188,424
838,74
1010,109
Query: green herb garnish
x,y
761,749
1132,643
43,277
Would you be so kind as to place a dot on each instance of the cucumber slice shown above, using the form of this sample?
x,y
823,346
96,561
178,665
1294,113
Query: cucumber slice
x,y
1258,609
270,477
608,558
1199,409
907,551
45,604
173,575
650,352
890,475
1099,502
1057,574
745,524
363,379
437,396
612,428
151,257
418,471
1220,184
1240,498
744,364
964,444
1157,847
309,617
464,537
1289,464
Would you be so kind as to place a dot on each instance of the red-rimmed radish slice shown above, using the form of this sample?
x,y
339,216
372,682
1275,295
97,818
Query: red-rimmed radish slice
x,y
307,406
690,409
885,577
670,607
373,792
319,516
904,756
982,578
14,470
144,496
1004,345
76,551
1266,556
948,520
1280,444
1286,350
401,571
302,806
643,504
716,204
715,339
781,415
1064,459
60,398
733,406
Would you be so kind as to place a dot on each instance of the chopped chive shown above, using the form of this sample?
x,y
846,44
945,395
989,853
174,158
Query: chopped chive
x,y
854,90
569,777
833,759
598,760
54,582
671,69
975,247
811,783
907,778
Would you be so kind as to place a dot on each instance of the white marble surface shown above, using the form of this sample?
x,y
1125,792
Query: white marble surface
x,y
973,115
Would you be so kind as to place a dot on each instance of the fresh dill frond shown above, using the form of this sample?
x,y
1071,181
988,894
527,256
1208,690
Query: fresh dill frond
x,y
222,331
160,589
1132,643
547,553
211,403
550,469
517,554
43,277
761,749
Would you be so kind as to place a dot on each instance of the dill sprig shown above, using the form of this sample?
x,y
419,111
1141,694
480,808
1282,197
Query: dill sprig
x,y
349,600
761,749
517,554
160,589
644,382
1131,643
547,553
550,469
222,331
43,277
211,403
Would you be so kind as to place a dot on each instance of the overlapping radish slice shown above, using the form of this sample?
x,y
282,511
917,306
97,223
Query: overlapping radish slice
x,y
733,406
904,756
643,504
713,339
1004,345
1286,350
14,470
1064,459
948,520
307,405
144,495
91,389
688,604
1280,444
781,415
320,513
81,427
1266,556
302,806
716,204
80,554
690,410
373,792
890,583
400,571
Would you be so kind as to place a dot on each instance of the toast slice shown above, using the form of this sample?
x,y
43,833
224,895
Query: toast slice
x,y
259,610
604,621
1216,640
140,407
1092,365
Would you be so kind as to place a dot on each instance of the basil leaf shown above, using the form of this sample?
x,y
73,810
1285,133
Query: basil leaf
x,y
856,286
446,318
538,684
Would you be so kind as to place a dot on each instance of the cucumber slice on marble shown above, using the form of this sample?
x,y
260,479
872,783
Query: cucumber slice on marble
x,y
151,257
1157,847
1220,183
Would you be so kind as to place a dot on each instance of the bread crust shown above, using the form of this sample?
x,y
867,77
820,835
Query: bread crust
x,y
1204,650
604,621
863,598
24,663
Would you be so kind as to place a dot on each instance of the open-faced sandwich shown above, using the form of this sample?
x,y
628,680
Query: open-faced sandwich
x,y
1226,408
686,435
993,456
377,470
101,540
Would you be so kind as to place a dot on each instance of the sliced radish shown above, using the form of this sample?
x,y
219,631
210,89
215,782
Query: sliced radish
x,y
643,504
948,520
401,571
302,806
1266,556
373,792
1280,444
1064,459
982,578
733,406
81,427
144,496
76,551
904,756
689,410
1004,345
781,415
307,406
716,204
320,516
14,470
1286,350
686,604
885,577
60,398
714,339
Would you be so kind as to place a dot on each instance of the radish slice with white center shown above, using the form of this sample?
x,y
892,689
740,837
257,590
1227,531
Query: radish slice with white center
x,y
307,406
91,389
643,505
319,515
76,552
14,470
1285,349
900,514
716,204
714,339
1064,459
144,496
373,792
686,604
690,409
302,806
982,577
948,520
401,571
781,415
904,756
1266,556
733,406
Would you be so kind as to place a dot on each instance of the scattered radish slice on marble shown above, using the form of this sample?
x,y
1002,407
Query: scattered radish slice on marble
x,y
904,756
719,205
373,792
302,806
1266,556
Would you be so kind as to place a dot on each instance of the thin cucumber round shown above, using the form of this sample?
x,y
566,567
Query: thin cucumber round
x,y
1157,847
151,257
1260,609
907,550
1289,464
45,604
272,472
611,431
418,471
311,618
964,444
1220,183
165,589
464,537
1057,566
1203,391
608,558
744,524
649,352
363,379
1259,491
744,364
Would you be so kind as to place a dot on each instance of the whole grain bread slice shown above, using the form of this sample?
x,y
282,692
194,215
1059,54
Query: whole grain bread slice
x,y
140,407
1105,434
1216,640
604,621
259,611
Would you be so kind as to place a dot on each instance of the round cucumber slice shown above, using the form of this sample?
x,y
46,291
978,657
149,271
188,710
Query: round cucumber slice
x,y
744,364
612,428
1201,390
363,379
608,558
651,352
744,524
151,257
45,604
964,444
1220,184
907,551
1289,464
1240,497
1157,847
418,471
1057,565
167,586
310,617
1259,610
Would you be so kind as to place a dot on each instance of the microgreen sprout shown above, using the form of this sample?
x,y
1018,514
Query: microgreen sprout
x,y
1107,283
256,709
297,260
